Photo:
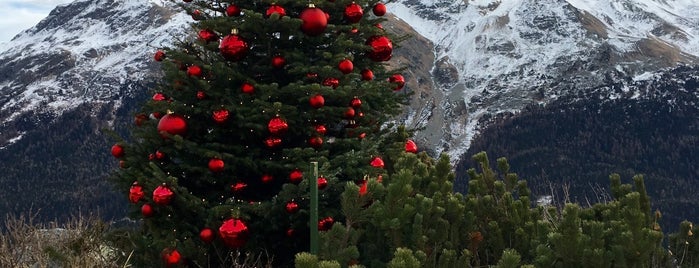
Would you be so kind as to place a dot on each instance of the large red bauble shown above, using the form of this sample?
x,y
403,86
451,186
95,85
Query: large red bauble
x,y
194,70
379,9
316,101
247,88
292,207
117,151
232,11
146,210
234,233
162,195
135,193
159,55
207,35
220,116
381,48
331,82
233,47
410,146
206,235
320,129
172,124
277,126
315,142
314,21
322,183
216,165
367,75
296,176
397,79
377,162
353,12
346,66
278,61
356,103
279,10
170,255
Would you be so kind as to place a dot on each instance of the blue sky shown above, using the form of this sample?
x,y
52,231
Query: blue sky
x,y
18,15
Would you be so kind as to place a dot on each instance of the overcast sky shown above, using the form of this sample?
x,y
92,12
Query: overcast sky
x,y
19,15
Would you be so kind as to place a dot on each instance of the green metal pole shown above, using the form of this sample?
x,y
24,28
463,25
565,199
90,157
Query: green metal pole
x,y
314,208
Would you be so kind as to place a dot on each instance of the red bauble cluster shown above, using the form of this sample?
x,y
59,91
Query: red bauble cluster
x,y
353,12
135,193
381,48
162,195
233,47
314,21
172,124
234,233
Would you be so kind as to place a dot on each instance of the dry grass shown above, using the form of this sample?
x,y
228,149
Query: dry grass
x,y
78,243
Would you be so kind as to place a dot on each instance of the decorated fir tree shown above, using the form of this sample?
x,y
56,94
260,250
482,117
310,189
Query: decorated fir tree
x,y
217,163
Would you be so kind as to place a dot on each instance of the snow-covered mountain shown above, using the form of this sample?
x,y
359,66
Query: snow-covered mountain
x,y
494,56
91,52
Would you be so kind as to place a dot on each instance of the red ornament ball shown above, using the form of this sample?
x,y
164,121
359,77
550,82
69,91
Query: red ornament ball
x,y
322,183
331,82
377,162
162,195
397,79
272,142
379,9
317,101
146,210
292,207
325,223
238,187
367,75
315,142
172,124
410,146
321,129
277,126
232,11
135,193
234,233
139,119
296,176
207,35
247,88
117,151
170,255
201,95
276,9
233,47
278,62
158,97
266,178
353,12
216,165
194,71
159,55
346,66
220,116
206,235
350,113
314,21
159,155
363,188
356,103
381,48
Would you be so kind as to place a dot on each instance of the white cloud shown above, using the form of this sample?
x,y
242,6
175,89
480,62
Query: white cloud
x,y
19,15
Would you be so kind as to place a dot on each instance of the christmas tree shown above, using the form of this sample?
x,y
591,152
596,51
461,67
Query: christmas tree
x,y
218,162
